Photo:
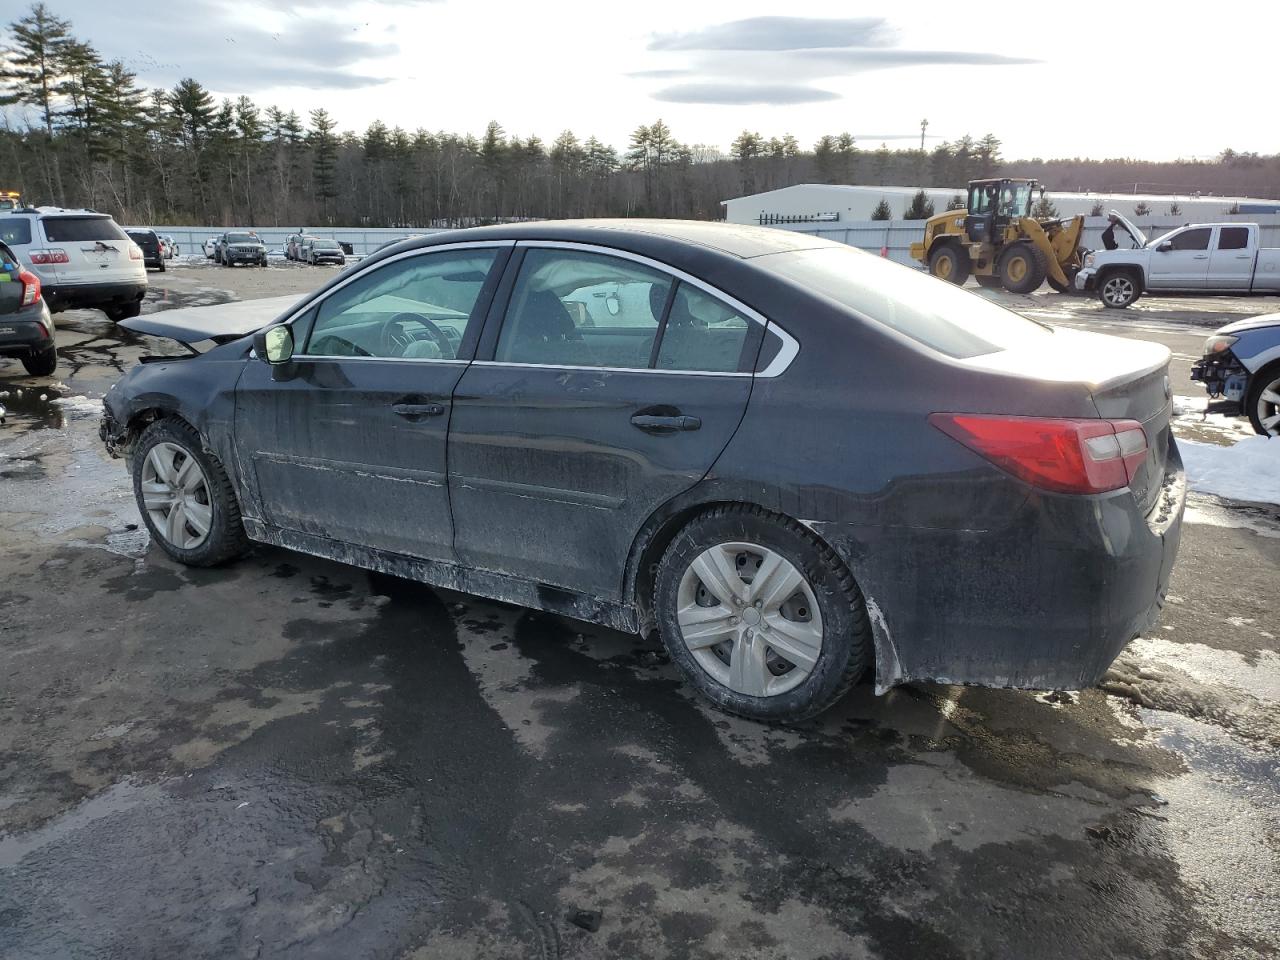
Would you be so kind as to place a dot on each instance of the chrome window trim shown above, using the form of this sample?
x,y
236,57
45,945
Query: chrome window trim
x,y
365,271
514,364
787,353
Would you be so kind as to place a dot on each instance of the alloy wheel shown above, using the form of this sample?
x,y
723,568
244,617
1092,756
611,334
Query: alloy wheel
x,y
1118,290
1269,408
750,619
175,494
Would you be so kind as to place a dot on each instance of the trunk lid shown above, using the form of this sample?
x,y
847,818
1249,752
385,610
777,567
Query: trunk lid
x,y
1126,379
97,249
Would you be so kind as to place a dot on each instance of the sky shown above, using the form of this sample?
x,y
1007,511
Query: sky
x,y
1049,80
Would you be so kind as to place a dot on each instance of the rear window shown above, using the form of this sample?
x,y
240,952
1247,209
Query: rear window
x,y
78,229
15,230
932,312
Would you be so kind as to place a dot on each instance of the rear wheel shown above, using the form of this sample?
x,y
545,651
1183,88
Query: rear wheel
x,y
762,617
1262,402
1022,268
949,262
122,311
43,363
1119,289
162,267
185,496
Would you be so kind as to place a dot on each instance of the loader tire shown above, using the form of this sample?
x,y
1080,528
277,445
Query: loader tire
x,y
1022,268
951,263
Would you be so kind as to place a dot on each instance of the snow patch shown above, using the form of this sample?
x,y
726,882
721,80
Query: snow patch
x,y
80,405
1247,470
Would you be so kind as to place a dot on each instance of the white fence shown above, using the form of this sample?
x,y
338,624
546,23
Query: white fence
x,y
363,240
895,237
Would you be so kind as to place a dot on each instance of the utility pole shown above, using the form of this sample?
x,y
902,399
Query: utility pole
x,y
924,125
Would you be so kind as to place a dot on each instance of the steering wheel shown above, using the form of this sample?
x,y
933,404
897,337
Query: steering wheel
x,y
394,339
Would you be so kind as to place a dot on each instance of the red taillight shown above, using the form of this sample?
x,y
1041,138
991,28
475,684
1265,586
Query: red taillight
x,y
135,252
1067,456
53,255
30,286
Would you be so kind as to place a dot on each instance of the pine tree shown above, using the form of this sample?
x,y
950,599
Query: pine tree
x,y
324,158
920,208
31,71
882,211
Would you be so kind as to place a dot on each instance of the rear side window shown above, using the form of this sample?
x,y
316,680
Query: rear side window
x,y
702,333
15,230
932,312
1233,238
1192,239
79,229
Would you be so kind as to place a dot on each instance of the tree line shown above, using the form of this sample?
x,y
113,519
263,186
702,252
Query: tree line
x,y
79,130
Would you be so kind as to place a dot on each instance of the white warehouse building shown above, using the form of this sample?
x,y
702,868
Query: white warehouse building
x,y
833,203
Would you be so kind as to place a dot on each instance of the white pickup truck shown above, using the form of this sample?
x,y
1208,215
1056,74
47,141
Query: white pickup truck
x,y
1200,257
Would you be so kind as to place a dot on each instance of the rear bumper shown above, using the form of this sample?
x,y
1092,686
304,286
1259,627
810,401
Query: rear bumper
x,y
71,296
26,333
1047,602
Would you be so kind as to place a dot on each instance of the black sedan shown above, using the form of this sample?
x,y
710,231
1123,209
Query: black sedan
x,y
798,463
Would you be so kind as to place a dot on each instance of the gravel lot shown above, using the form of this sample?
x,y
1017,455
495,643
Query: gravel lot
x,y
293,758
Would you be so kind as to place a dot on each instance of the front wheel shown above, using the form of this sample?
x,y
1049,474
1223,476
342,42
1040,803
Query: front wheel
x,y
1023,268
1118,290
42,364
1262,402
951,263
185,496
761,616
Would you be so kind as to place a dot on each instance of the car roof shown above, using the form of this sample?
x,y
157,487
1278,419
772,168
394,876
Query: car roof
x,y
641,236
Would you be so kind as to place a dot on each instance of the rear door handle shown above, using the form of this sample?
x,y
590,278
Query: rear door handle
x,y
417,409
1201,256
654,424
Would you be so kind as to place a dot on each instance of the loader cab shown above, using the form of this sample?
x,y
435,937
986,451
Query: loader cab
x,y
993,203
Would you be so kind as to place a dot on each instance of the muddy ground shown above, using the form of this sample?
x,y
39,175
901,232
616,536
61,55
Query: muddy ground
x,y
292,758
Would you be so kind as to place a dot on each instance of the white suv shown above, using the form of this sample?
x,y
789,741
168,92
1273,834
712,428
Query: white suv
x,y
82,257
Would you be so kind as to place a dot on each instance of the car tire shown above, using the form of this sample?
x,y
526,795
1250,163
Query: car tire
x,y
122,311
1119,289
42,364
1023,268
207,497
950,262
1264,385
162,266
825,593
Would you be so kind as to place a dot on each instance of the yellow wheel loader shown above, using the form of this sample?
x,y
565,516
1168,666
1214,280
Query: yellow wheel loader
x,y
999,243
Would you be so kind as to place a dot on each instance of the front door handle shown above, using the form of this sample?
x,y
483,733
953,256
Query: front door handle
x,y
1201,256
417,409
655,424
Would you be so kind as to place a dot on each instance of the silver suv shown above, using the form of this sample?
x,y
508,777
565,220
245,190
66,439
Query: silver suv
x,y
82,257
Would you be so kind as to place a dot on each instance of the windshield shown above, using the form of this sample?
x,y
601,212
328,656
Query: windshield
x,y
241,238
932,312
1015,200
76,229
325,244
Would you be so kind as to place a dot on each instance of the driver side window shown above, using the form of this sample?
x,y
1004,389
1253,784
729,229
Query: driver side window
x,y
418,308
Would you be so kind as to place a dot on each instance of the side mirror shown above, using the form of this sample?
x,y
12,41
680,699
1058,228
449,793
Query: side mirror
x,y
1165,247
274,344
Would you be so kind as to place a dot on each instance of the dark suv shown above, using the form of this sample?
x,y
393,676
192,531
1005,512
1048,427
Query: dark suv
x,y
241,247
26,327
149,244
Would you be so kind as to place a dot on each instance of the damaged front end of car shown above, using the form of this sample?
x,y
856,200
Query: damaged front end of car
x,y
1220,370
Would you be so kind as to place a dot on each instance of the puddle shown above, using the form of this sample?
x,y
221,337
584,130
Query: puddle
x,y
112,801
